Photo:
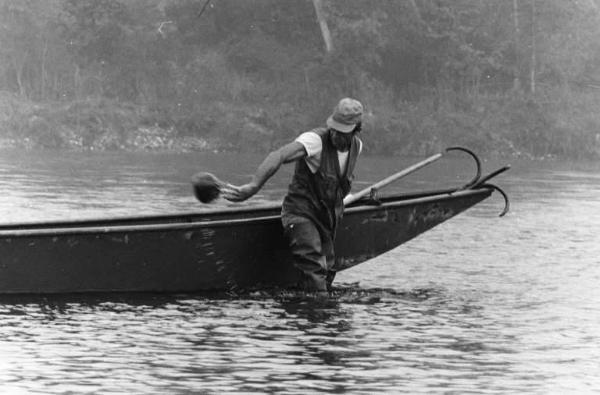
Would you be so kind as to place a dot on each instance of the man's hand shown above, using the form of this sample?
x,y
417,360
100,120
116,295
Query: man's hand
x,y
235,193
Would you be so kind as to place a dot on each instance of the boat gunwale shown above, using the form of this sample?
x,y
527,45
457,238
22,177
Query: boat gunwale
x,y
38,229
190,216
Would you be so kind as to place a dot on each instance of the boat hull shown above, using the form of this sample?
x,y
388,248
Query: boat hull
x,y
224,250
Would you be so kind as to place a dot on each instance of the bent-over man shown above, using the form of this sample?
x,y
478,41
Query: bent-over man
x,y
325,158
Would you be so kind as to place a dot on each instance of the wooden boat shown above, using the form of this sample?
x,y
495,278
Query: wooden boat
x,y
230,249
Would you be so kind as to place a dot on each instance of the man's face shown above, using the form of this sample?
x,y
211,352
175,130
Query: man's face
x,y
341,141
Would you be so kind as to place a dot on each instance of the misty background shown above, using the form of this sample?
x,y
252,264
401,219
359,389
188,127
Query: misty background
x,y
517,78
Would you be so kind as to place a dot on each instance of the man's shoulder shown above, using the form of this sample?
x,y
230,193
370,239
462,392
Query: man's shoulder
x,y
310,136
321,131
312,141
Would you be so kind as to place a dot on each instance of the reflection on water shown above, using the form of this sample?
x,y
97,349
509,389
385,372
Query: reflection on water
x,y
478,304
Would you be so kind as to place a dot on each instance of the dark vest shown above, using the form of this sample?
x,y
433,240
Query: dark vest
x,y
319,196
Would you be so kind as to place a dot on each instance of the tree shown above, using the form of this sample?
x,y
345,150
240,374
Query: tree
x,y
323,25
27,35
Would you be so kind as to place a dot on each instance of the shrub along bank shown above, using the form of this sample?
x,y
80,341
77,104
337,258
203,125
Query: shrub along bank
x,y
559,124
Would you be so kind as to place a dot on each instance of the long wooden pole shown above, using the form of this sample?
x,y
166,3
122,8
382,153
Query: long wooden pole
x,y
403,173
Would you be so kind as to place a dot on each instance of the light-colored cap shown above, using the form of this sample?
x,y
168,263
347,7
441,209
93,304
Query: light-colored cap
x,y
346,115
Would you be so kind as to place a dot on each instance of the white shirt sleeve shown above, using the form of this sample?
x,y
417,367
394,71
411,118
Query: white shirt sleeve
x,y
311,142
313,145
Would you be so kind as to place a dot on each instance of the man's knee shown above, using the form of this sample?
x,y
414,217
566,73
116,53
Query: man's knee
x,y
303,237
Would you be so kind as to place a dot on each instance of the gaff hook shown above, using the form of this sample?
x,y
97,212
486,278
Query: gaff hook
x,y
475,179
504,195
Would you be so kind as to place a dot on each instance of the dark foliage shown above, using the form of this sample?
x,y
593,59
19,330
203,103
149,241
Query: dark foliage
x,y
511,77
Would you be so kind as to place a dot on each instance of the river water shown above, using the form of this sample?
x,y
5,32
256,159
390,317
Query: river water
x,y
479,304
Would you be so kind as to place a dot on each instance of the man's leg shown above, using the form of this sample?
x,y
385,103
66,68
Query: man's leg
x,y
305,244
327,249
329,279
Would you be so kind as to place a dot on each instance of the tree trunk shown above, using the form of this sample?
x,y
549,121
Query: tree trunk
x,y
19,65
43,70
323,24
415,9
77,82
517,33
533,60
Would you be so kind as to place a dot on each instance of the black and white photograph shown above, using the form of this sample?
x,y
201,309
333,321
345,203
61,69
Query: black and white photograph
x,y
299,197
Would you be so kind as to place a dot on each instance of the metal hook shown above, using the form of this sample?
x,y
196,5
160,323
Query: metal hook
x,y
504,195
475,180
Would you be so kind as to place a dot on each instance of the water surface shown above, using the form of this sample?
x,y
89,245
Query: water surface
x,y
479,304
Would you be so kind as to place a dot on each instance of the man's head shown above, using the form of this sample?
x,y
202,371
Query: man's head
x,y
346,115
345,119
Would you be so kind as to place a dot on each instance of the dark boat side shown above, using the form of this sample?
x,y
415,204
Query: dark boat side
x,y
221,250
367,233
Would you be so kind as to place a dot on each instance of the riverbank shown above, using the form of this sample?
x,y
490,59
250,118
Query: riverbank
x,y
494,125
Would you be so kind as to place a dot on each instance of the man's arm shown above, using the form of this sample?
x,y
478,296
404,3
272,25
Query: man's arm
x,y
288,153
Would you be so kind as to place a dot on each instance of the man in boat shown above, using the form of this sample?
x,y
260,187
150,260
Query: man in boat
x,y
325,158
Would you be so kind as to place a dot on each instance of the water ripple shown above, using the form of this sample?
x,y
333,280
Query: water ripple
x,y
477,305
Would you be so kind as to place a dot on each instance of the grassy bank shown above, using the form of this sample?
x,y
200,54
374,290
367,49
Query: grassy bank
x,y
558,124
